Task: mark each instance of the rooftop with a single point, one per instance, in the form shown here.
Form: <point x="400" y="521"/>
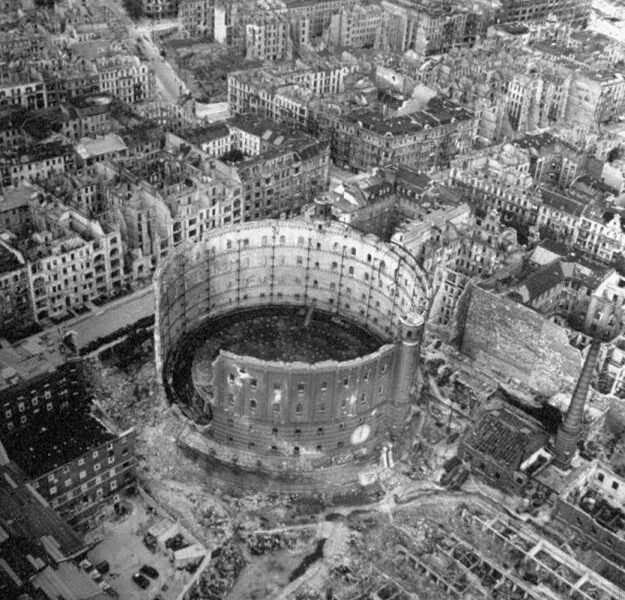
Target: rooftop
<point x="45" y="122"/>
<point x="544" y="279"/>
<point x="301" y="149"/>
<point x="28" y="527"/>
<point x="506" y="436"/>
<point x="203" y="135"/>
<point x="8" y="260"/>
<point x="11" y="117"/>
<point x="562" y="202"/>
<point x="102" y="101"/>
<point x="17" y="197"/>
<point x="407" y="176"/>
<point x="555" y="247"/>
<point x="67" y="581"/>
<point x="107" y="144"/>
<point x="29" y="358"/>
<point x="543" y="139"/>
<point x="266" y="129"/>
<point x="36" y="152"/>
<point x="437" y="112"/>
<point x="46" y="444"/>
<point x="513" y="28"/>
<point x="604" y="512"/>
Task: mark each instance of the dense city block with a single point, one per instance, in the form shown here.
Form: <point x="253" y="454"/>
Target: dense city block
<point x="312" y="299"/>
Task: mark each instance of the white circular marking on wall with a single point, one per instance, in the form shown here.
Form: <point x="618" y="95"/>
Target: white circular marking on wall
<point x="360" y="434"/>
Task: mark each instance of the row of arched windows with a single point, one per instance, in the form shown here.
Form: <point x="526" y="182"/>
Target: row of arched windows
<point x="301" y="241"/>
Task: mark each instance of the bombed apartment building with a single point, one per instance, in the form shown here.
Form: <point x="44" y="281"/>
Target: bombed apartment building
<point x="284" y="93"/>
<point x="280" y="169"/>
<point x="71" y="260"/>
<point x="161" y="203"/>
<point x="15" y="307"/>
<point x="504" y="446"/>
<point x="291" y="344"/>
<point x="575" y="12"/>
<point x="285" y="179"/>
<point x="423" y="140"/>
<point x="36" y="545"/>
<point x="591" y="505"/>
<point x="81" y="471"/>
<point x="35" y="161"/>
<point x="52" y="431"/>
<point x="15" y="215"/>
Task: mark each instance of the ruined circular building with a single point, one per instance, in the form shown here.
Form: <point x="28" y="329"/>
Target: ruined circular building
<point x="291" y="344"/>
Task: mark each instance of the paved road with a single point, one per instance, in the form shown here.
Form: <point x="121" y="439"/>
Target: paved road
<point x="111" y="317"/>
<point x="169" y="86"/>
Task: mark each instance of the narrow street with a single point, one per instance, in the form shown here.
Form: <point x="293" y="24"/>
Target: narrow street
<point x="169" y="86"/>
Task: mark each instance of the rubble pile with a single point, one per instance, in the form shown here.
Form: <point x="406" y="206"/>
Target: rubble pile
<point x="218" y="578"/>
<point x="261" y="543"/>
<point x="131" y="396"/>
<point x="418" y="465"/>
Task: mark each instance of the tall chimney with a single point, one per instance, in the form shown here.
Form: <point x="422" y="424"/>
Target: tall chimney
<point x="571" y="428"/>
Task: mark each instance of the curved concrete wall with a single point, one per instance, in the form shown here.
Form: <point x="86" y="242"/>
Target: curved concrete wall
<point x="296" y="408"/>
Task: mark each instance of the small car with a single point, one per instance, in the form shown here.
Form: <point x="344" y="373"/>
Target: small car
<point x="151" y="572"/>
<point x="86" y="565"/>
<point x="142" y="581"/>
<point x="103" y="567"/>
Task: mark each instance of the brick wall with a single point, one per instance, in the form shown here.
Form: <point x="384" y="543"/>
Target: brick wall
<point x="273" y="408"/>
<point x="515" y="342"/>
<point x="77" y="488"/>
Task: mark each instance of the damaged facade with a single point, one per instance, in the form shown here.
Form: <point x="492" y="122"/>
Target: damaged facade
<point x="79" y="466"/>
<point x="264" y="413"/>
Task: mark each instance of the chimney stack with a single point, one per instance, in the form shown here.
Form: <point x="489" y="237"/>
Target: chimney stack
<point x="571" y="428"/>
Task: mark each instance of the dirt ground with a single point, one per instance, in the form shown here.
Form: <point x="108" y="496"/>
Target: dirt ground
<point x="266" y="576"/>
<point x="132" y="398"/>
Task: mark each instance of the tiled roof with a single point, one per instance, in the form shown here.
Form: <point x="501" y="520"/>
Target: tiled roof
<point x="561" y="202"/>
<point x="544" y="279"/>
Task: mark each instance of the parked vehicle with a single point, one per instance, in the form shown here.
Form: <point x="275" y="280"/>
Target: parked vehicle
<point x="151" y="572"/>
<point x="103" y="567"/>
<point x="95" y="575"/>
<point x="142" y="581"/>
<point x="86" y="565"/>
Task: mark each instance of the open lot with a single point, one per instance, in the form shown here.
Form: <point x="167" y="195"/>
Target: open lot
<point x="266" y="576"/>
<point x="125" y="552"/>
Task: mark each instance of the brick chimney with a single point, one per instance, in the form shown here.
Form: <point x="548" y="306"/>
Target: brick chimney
<point x="571" y="428"/>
